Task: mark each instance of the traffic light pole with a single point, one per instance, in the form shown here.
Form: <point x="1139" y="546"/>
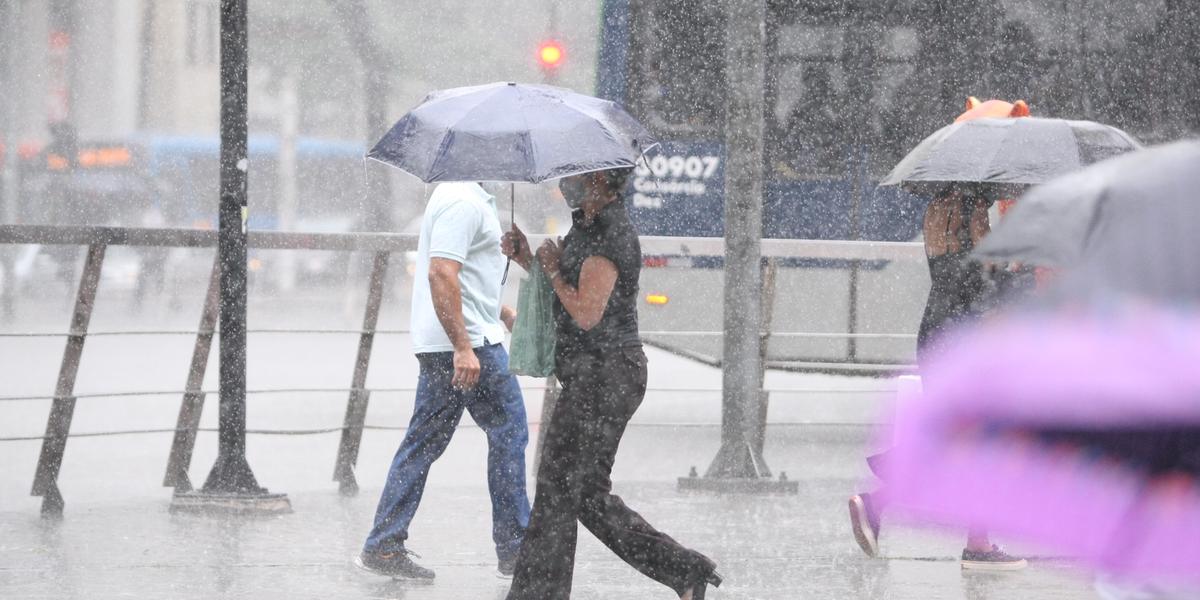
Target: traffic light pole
<point x="231" y="486"/>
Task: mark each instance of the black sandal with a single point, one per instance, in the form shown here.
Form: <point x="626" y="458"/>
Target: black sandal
<point x="702" y="580"/>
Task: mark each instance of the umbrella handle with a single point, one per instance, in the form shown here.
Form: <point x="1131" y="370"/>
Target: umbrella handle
<point x="512" y="221"/>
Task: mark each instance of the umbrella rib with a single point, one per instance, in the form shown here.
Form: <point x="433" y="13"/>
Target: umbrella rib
<point x="527" y="137"/>
<point x="1005" y="142"/>
<point x="447" y="137"/>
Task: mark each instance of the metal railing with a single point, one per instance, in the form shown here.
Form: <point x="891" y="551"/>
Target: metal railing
<point x="98" y="239"/>
<point x="381" y="245"/>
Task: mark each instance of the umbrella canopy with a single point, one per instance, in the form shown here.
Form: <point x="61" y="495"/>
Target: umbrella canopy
<point x="511" y="132"/>
<point x="1081" y="434"/>
<point x="1007" y="153"/>
<point x="1128" y="224"/>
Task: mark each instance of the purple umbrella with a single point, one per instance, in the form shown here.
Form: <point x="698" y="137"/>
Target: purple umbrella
<point x="1079" y="433"/>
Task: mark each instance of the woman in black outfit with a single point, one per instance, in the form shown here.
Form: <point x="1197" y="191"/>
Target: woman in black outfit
<point x="955" y="221"/>
<point x="602" y="369"/>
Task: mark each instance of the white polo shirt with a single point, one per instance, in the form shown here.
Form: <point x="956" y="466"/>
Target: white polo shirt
<point x="460" y="224"/>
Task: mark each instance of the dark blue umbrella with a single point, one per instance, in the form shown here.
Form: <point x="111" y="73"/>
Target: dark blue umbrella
<point x="511" y="132"/>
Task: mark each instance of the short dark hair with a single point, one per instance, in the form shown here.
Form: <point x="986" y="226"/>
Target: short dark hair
<point x="616" y="179"/>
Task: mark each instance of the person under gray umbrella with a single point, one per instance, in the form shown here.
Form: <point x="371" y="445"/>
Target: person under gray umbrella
<point x="496" y="132"/>
<point x="511" y="132"/>
<point x="955" y="221"/>
<point x="600" y="362"/>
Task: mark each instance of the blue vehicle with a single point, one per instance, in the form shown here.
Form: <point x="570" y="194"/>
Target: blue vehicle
<point x="328" y="179"/>
<point x="851" y="85"/>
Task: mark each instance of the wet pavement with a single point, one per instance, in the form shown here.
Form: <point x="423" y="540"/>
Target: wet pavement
<point x="118" y="540"/>
<point x="767" y="546"/>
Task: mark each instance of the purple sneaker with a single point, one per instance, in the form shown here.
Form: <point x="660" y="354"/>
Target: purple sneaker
<point x="864" y="520"/>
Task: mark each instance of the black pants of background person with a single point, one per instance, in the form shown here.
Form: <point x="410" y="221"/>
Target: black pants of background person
<point x="599" y="395"/>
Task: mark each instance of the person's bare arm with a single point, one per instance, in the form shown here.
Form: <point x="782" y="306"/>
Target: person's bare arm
<point x="508" y="315"/>
<point x="586" y="303"/>
<point x="942" y="220"/>
<point x="597" y="278"/>
<point x="980" y="222"/>
<point x="447" y="304"/>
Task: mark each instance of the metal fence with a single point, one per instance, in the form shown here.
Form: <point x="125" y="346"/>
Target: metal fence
<point x="381" y="246"/>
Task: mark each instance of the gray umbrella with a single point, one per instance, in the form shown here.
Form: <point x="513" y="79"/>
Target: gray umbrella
<point x="511" y="132"/>
<point x="1007" y="153"/>
<point x="1128" y="225"/>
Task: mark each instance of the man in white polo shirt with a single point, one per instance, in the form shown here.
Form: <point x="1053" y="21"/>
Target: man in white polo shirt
<point x="457" y="327"/>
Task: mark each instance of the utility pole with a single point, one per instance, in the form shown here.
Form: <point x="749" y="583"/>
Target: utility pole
<point x="739" y="465"/>
<point x="8" y="100"/>
<point x="231" y="486"/>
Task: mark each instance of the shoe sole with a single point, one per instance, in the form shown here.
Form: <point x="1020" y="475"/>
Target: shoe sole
<point x="500" y="575"/>
<point x="363" y="567"/>
<point x="358" y="562"/>
<point x="863" y="533"/>
<point x="976" y="565"/>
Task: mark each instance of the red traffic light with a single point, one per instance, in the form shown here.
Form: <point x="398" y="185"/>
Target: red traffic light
<point x="550" y="54"/>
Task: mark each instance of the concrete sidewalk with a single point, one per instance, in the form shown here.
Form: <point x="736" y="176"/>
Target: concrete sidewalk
<point x="768" y="547"/>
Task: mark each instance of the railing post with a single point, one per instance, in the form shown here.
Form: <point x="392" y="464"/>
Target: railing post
<point x="356" y="405"/>
<point x="193" y="399"/>
<point x="58" y="425"/>
<point x="770" y="273"/>
<point x="860" y="180"/>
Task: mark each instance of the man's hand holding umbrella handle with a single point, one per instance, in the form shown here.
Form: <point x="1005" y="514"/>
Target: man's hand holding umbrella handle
<point x="515" y="245"/>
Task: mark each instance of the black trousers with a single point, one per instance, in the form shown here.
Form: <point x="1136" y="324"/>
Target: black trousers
<point x="599" y="395"/>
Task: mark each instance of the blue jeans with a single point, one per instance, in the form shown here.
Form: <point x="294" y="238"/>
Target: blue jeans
<point x="498" y="408"/>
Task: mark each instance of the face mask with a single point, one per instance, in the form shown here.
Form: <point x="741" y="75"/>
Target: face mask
<point x="574" y="191"/>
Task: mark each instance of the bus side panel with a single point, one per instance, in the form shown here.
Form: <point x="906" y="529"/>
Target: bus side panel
<point x="890" y="214"/>
<point x="820" y="209"/>
<point x="680" y="190"/>
<point x="807" y="210"/>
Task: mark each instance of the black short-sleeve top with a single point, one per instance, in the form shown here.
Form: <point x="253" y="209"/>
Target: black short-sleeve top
<point x="610" y="235"/>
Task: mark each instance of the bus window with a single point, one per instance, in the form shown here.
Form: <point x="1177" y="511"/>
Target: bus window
<point x="678" y="66"/>
<point x="853" y="85"/>
<point x="830" y="82"/>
